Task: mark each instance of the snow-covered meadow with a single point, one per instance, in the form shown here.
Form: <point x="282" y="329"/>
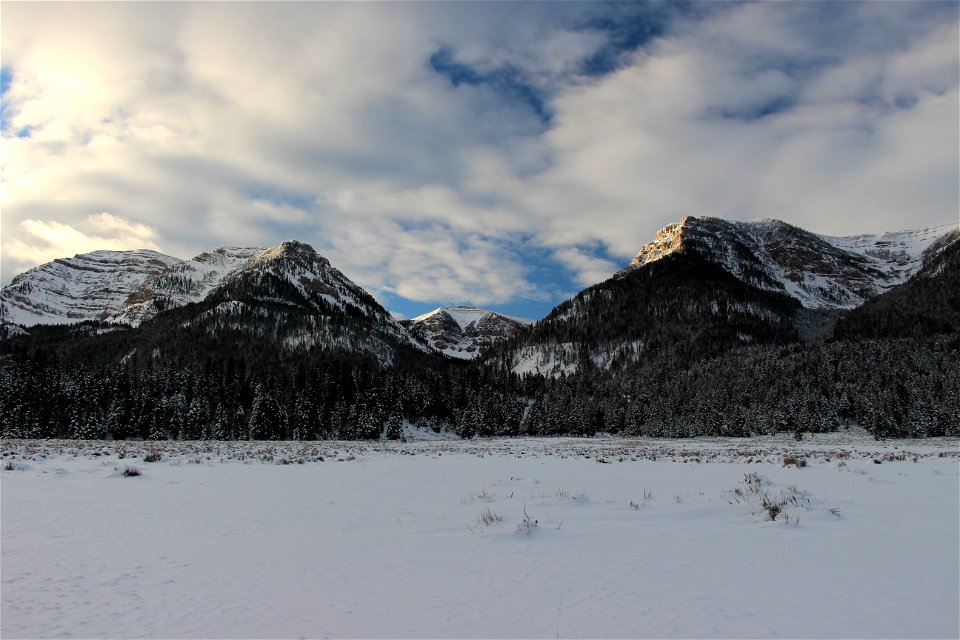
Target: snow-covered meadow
<point x="495" y="538"/>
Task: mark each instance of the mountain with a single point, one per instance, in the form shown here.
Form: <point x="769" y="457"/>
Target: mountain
<point x="299" y="301"/>
<point x="184" y="282"/>
<point x="464" y="332"/>
<point x="282" y="299"/>
<point x="705" y="285"/>
<point x="821" y="272"/>
<point x="115" y="286"/>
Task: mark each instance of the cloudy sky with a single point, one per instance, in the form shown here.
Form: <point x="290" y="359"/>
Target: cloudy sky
<point x="501" y="154"/>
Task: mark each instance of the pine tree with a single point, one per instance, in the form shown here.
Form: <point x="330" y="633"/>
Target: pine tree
<point x="266" y="416"/>
<point x="220" y="428"/>
<point x="156" y="424"/>
<point x="304" y="419"/>
<point x="195" y="422"/>
<point x="394" y="426"/>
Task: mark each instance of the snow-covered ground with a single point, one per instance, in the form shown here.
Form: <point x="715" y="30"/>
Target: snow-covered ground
<point x="632" y="538"/>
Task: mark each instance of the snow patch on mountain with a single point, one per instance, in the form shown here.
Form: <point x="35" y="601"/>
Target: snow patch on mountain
<point x="553" y="360"/>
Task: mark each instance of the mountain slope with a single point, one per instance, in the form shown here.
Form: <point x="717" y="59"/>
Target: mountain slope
<point x="115" y="286"/>
<point x="464" y="332"/>
<point x="681" y="304"/>
<point x="308" y="302"/>
<point x="90" y="286"/>
<point x="184" y="282"/>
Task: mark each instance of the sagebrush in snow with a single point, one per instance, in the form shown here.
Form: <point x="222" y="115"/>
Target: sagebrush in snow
<point x="794" y="461"/>
<point x="488" y="517"/>
<point x="528" y="524"/>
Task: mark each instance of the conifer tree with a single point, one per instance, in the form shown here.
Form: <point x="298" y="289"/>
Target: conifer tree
<point x="394" y="426"/>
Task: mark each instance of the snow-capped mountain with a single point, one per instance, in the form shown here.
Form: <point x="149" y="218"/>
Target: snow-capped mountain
<point x="705" y="284"/>
<point x="287" y="292"/>
<point x="463" y="331"/>
<point x="822" y="272"/>
<point x="184" y="282"/>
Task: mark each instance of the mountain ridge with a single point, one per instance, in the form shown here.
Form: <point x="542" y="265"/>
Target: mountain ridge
<point x="820" y="271"/>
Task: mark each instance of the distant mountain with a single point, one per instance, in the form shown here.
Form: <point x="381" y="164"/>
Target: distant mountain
<point x="705" y="284"/>
<point x="464" y="332"/>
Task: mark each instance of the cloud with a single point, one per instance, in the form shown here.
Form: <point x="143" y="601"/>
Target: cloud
<point x="43" y="241"/>
<point x="752" y="114"/>
<point x="588" y="269"/>
<point x="429" y="150"/>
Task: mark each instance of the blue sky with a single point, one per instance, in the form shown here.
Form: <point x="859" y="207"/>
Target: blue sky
<point x="499" y="154"/>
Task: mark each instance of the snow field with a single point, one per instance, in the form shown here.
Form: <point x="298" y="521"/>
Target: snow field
<point x="392" y="540"/>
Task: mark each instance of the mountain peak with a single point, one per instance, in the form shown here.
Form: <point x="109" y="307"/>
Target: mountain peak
<point x="289" y="249"/>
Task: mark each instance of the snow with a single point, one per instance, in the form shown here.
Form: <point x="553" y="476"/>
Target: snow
<point x="460" y="350"/>
<point x="387" y="540"/>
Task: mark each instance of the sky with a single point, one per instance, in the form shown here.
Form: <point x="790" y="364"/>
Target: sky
<point x="500" y="154"/>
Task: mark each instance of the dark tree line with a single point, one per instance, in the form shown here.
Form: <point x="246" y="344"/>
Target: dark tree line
<point x="893" y="388"/>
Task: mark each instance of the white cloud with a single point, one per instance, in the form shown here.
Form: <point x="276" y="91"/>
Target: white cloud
<point x="588" y="269"/>
<point x="678" y="131"/>
<point x="42" y="241"/>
